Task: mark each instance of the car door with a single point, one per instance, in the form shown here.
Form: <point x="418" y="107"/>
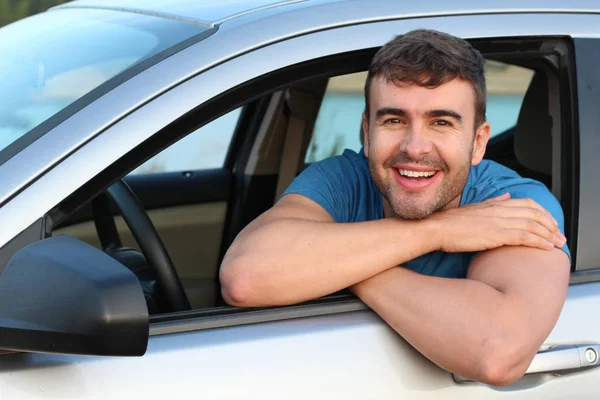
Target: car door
<point x="333" y="347"/>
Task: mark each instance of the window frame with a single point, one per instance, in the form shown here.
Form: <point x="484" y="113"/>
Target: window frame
<point x="256" y="88"/>
<point x="586" y="179"/>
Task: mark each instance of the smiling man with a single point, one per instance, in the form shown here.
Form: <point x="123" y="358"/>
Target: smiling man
<point x="461" y="256"/>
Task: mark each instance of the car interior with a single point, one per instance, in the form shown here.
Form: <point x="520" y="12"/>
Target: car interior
<point x="197" y="214"/>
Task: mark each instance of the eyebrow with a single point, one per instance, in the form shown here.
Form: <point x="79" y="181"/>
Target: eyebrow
<point x="444" y="113"/>
<point x="430" y="114"/>
<point x="390" y="111"/>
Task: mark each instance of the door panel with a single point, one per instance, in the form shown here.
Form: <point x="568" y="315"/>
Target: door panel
<point x="169" y="189"/>
<point x="353" y="355"/>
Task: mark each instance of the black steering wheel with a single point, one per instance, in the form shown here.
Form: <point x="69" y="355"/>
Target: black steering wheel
<point x="146" y="236"/>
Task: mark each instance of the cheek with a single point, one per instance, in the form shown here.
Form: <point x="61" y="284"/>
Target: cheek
<point x="383" y="146"/>
<point x="455" y="153"/>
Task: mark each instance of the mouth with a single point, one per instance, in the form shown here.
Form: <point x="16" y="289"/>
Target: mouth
<point x="415" y="180"/>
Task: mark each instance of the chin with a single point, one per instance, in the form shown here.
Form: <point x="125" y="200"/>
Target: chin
<point x="413" y="207"/>
<point x="410" y="213"/>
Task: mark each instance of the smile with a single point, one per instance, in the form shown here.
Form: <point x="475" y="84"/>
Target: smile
<point x="415" y="180"/>
<point x="416" y="174"/>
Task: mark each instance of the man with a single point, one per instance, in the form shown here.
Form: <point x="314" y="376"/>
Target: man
<point x="417" y="207"/>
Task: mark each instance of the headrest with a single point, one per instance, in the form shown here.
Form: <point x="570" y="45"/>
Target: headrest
<point x="533" y="133"/>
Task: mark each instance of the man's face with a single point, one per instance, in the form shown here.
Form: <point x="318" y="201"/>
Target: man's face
<point x="421" y="144"/>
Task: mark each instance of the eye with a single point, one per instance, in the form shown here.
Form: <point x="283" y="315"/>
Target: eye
<point x="442" y="122"/>
<point x="392" y="121"/>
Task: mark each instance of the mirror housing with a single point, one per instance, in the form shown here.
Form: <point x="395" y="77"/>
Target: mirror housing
<point x="61" y="295"/>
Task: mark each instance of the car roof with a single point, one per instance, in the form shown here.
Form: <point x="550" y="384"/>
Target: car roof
<point x="211" y="12"/>
<point x="205" y="12"/>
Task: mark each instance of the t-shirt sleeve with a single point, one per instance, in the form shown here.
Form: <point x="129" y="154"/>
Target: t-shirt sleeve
<point x="527" y="188"/>
<point x="326" y="183"/>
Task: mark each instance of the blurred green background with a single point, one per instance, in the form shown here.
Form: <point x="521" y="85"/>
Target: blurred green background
<point x="12" y="10"/>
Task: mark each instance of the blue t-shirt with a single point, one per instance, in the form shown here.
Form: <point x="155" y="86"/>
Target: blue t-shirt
<point x="342" y="185"/>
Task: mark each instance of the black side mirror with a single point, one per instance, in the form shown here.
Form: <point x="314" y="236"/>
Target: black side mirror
<point x="61" y="295"/>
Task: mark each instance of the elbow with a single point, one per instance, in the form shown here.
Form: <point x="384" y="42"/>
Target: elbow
<point x="499" y="373"/>
<point x="237" y="287"/>
<point x="502" y="365"/>
<point x="233" y="293"/>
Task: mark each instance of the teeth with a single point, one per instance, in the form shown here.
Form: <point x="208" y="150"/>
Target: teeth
<point x="416" y="174"/>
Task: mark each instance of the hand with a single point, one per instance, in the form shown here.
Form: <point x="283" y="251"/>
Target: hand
<point x="494" y="223"/>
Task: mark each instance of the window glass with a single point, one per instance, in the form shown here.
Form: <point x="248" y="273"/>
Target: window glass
<point x="506" y="87"/>
<point x="338" y="124"/>
<point x="205" y="148"/>
<point x="57" y="57"/>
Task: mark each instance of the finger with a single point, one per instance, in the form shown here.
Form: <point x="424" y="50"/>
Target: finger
<point x="515" y="208"/>
<point x="530" y="226"/>
<point x="517" y="237"/>
<point x="529" y="203"/>
<point x="541" y="217"/>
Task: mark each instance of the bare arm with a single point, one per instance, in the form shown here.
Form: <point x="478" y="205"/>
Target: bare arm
<point x="487" y="327"/>
<point x="295" y="252"/>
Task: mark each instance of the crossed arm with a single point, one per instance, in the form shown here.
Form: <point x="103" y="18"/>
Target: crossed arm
<point x="487" y="327"/>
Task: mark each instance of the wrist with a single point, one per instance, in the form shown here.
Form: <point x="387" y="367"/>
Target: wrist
<point x="418" y="237"/>
<point x="430" y="229"/>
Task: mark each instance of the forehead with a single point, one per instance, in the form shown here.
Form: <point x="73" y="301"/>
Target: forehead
<point x="457" y="95"/>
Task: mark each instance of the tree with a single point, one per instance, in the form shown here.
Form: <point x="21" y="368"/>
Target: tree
<point x="13" y="10"/>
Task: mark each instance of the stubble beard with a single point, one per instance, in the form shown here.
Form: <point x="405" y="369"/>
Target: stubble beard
<point x="411" y="206"/>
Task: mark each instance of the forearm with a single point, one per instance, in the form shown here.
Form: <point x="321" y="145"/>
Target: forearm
<point x="292" y="260"/>
<point x="464" y="326"/>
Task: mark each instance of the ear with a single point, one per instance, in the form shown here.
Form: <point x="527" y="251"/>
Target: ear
<point x="365" y="133"/>
<point x="482" y="136"/>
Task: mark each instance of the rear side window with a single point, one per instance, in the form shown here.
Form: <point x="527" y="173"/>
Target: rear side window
<point x="506" y="86"/>
<point x="206" y="148"/>
<point x="338" y="124"/>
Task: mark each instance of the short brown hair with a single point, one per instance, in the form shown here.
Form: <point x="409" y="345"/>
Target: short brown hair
<point x="430" y="58"/>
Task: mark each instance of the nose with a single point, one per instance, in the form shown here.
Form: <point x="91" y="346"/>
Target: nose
<point x="415" y="142"/>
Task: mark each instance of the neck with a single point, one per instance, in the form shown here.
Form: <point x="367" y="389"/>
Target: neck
<point x="388" y="211"/>
<point x="453" y="204"/>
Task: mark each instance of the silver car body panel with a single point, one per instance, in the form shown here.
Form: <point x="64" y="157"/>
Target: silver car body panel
<point x="209" y="12"/>
<point x="73" y="168"/>
<point x="205" y="13"/>
<point x="352" y="355"/>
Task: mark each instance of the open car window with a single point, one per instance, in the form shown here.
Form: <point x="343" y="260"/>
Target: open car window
<point x="249" y="188"/>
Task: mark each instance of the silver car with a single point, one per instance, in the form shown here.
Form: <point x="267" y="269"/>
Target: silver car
<point x="139" y="137"/>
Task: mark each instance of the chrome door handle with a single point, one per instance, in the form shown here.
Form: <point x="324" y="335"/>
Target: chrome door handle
<point x="559" y="360"/>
